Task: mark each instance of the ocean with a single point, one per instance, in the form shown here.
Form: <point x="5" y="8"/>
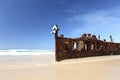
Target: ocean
<point x="30" y="57"/>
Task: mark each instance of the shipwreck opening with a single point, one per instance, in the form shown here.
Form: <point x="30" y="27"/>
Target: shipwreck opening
<point x="85" y="46"/>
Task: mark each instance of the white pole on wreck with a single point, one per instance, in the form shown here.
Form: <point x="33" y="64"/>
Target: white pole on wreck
<point x="55" y="30"/>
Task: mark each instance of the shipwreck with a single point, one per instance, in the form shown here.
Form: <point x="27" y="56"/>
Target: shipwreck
<point x="85" y="46"/>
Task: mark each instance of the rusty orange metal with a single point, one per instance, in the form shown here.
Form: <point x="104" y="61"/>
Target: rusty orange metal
<point x="85" y="46"/>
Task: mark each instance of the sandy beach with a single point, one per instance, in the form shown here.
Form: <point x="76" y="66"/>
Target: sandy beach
<point x="91" y="68"/>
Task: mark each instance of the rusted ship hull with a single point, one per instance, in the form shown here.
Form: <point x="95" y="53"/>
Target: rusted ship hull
<point x="68" y="48"/>
<point x="85" y="46"/>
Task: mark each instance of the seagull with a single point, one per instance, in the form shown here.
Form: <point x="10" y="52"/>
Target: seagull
<point x="55" y="27"/>
<point x="53" y="32"/>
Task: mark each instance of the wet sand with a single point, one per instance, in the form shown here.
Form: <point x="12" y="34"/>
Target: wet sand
<point x="92" y="68"/>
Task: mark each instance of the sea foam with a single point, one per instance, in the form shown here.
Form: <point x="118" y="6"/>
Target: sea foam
<point x="26" y="52"/>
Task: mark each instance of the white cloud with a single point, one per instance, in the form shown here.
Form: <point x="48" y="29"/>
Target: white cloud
<point x="103" y="22"/>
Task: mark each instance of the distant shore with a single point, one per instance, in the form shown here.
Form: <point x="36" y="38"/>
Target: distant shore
<point x="89" y="68"/>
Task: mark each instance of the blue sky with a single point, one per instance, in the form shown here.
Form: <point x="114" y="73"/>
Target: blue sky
<point x="26" y="24"/>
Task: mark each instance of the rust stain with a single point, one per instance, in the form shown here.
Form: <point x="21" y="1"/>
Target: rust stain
<point x="85" y="46"/>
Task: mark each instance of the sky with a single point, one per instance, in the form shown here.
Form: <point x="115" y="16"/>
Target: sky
<point x="26" y="24"/>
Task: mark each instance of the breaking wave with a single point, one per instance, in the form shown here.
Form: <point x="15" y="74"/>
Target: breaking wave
<point x="26" y="52"/>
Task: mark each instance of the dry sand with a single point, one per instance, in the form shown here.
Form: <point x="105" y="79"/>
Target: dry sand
<point x="93" y="68"/>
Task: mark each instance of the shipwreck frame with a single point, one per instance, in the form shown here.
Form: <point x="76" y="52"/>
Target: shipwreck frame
<point x="85" y="46"/>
